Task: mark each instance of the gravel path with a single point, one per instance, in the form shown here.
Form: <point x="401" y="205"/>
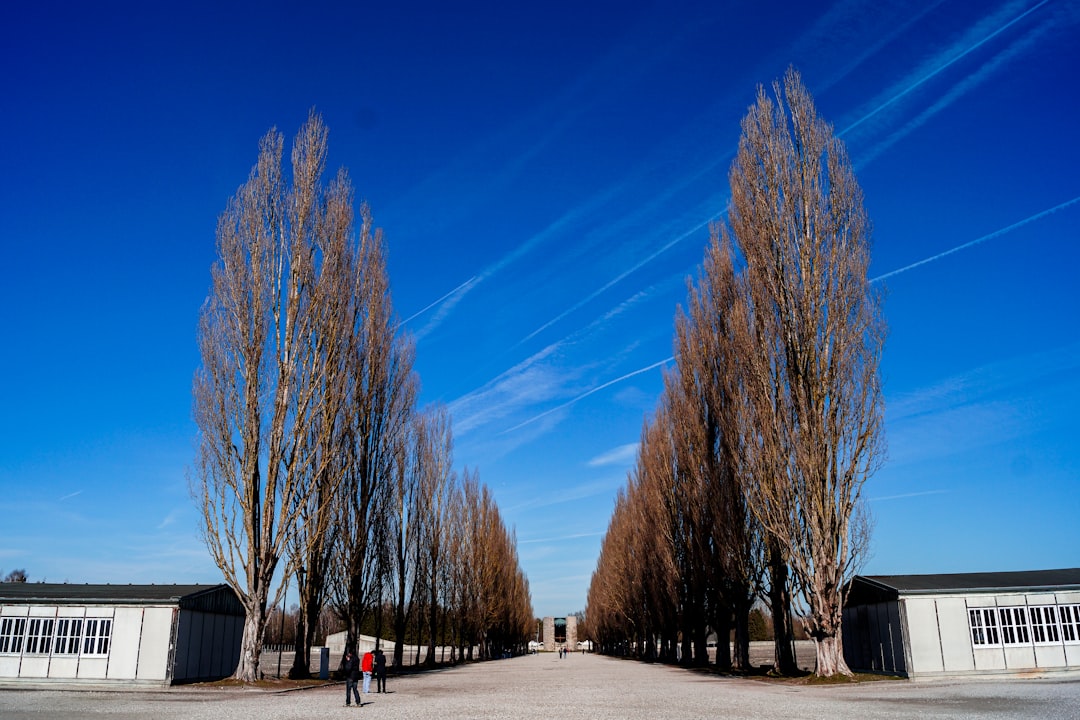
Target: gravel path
<point x="576" y="688"/>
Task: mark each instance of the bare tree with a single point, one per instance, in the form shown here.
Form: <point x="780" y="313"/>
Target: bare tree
<point x="15" y="576"/>
<point x="403" y="524"/>
<point x="256" y="388"/>
<point x="436" y="476"/>
<point x="337" y="308"/>
<point x="381" y="391"/>
<point x="812" y="349"/>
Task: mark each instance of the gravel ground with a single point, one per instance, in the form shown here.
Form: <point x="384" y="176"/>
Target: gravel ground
<point x="577" y="688"/>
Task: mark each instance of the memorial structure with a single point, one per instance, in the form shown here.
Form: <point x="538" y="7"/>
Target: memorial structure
<point x="560" y="633"/>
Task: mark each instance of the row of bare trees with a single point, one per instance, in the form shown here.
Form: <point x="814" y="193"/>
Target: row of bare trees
<point x="314" y="461"/>
<point x="748" y="480"/>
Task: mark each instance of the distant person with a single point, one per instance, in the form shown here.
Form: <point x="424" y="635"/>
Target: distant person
<point x="350" y="668"/>
<point x="380" y="671"/>
<point x="367" y="664"/>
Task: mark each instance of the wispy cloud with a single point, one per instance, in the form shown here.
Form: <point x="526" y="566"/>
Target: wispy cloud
<point x="458" y="291"/>
<point x="605" y="486"/>
<point x="170" y="518"/>
<point x="1014" y="48"/>
<point x="976" y="241"/>
<point x="988" y="406"/>
<point x="982" y="33"/>
<point x="907" y="495"/>
<point x="838" y="35"/>
<point x="586" y="394"/>
<point x="71" y="495"/>
<point x="560" y="538"/>
<point x="531" y="381"/>
<point x="695" y="230"/>
<point x="622" y="455"/>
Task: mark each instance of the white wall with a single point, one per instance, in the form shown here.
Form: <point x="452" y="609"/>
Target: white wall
<point x="139" y="645"/>
<point x="940" y="636"/>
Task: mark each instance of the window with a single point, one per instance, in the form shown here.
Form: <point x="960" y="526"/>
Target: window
<point x="96" y="637"/>
<point x="1014" y="627"/>
<point x="68" y="631"/>
<point x="983" y="626"/>
<point x="11" y="634"/>
<point x="39" y="636"/>
<point x="1044" y="627"/>
<point x="1070" y="622"/>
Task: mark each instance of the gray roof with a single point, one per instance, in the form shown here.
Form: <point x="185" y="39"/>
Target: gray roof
<point x="70" y="593"/>
<point x="874" y="588"/>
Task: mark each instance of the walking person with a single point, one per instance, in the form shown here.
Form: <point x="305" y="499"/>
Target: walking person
<point x="367" y="665"/>
<point x="380" y="671"/>
<point x="350" y="667"/>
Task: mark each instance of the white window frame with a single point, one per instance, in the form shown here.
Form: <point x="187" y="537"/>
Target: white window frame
<point x="1013" y="621"/>
<point x="97" y="634"/>
<point x="1044" y="625"/>
<point x="1069" y="619"/>
<point x="68" y="636"/>
<point x="39" y="635"/>
<point x="983" y="623"/>
<point x="12" y="635"/>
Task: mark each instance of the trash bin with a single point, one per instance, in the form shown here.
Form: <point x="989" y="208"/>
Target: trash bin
<point x="324" y="663"/>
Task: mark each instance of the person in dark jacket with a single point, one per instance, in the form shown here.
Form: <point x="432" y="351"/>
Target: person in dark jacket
<point x="350" y="666"/>
<point x="380" y="671"/>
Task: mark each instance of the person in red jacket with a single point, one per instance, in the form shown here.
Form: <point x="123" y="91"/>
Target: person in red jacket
<point x="367" y="664"/>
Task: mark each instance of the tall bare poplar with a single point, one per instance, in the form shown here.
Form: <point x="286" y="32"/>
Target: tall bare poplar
<point x="815" y="333"/>
<point x="256" y="388"/>
<point x="433" y="458"/>
<point x="381" y="400"/>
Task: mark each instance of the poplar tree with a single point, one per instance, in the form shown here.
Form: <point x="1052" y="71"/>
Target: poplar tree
<point x="812" y="349"/>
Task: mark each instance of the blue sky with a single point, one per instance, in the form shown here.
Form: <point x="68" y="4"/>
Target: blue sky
<point x="545" y="174"/>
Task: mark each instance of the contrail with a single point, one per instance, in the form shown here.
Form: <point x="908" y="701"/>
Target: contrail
<point x="618" y="279"/>
<point x="907" y="495"/>
<point x="586" y="394"/>
<point x="460" y="287"/>
<point x="942" y="67"/>
<point x="561" y="537"/>
<point x="984" y="238"/>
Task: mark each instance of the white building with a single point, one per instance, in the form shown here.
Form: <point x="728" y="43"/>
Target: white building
<point x="141" y="634"/>
<point x="962" y="624"/>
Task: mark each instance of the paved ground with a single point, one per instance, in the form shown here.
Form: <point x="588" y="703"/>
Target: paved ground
<point x="576" y="688"/>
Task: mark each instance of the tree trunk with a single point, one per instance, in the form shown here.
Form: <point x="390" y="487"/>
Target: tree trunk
<point x="433" y="619"/>
<point x="400" y="620"/>
<point x="830" y="656"/>
<point x="741" y="661"/>
<point x="723" y="641"/>
<point x="247" y="670"/>
<point x="784" y="661"/>
<point x="301" y="667"/>
<point x="701" y="646"/>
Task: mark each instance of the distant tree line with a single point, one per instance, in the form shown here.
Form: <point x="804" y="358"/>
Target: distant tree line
<point x="314" y="461"/>
<point x="748" y="477"/>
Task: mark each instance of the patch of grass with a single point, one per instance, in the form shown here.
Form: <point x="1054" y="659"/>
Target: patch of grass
<point x="269" y="684"/>
<point x="839" y="679"/>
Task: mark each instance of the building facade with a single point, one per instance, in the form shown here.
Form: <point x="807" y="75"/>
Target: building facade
<point x="141" y="634"/>
<point x="964" y="624"/>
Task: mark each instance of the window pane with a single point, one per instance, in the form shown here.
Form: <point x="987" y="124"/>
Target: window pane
<point x="975" y="620"/>
<point x="991" y="626"/>
<point x="17" y="635"/>
<point x="88" y="639"/>
<point x="68" y="631"/>
<point x="103" y="637"/>
<point x="1068" y="622"/>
